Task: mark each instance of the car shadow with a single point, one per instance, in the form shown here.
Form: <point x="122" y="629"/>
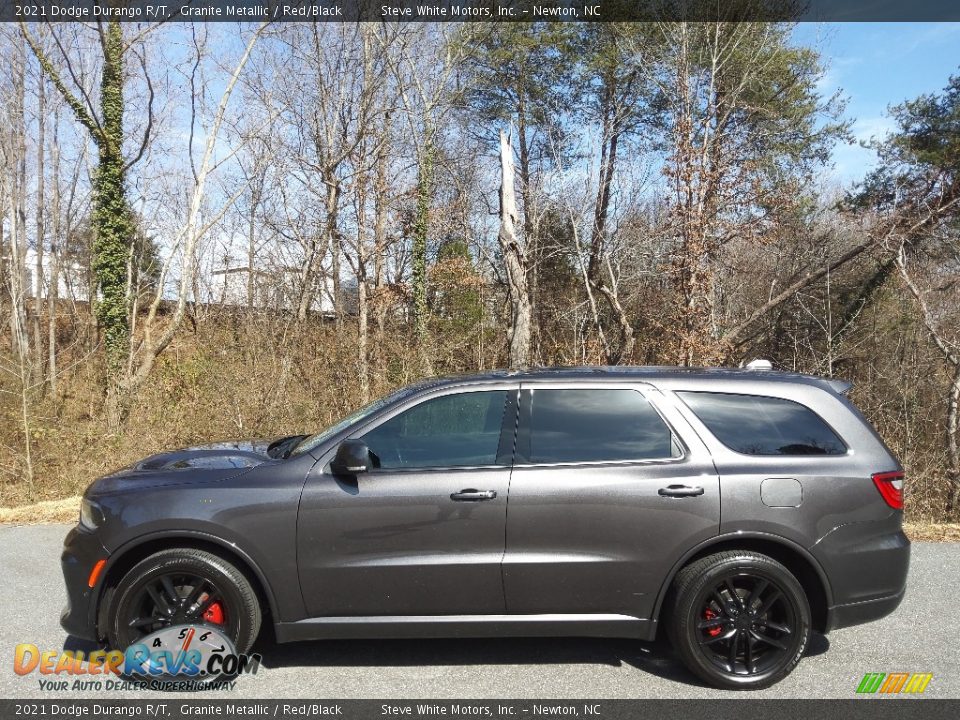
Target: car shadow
<point x="656" y="658"/>
<point x="74" y="644"/>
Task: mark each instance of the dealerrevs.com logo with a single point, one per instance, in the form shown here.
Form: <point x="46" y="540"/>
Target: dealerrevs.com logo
<point x="179" y="658"/>
<point x="899" y="683"/>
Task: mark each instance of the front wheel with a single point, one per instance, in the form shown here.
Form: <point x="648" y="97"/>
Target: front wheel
<point x="183" y="586"/>
<point x="741" y="620"/>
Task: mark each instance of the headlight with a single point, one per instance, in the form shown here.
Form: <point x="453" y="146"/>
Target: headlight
<point x="90" y="514"/>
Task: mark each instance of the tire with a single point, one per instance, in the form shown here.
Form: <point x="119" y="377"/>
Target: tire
<point x="239" y="612"/>
<point x="745" y="639"/>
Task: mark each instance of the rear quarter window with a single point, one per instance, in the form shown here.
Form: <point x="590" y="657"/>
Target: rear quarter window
<point x="757" y="425"/>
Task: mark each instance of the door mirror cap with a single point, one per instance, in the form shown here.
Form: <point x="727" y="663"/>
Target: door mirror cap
<point x="353" y="456"/>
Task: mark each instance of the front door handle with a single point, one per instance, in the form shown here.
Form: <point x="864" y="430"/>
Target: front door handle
<point x="680" y="491"/>
<point x="471" y="495"/>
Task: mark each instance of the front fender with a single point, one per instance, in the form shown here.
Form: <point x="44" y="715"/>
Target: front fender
<point x="135" y="550"/>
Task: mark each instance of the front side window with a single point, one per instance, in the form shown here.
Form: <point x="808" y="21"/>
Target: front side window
<point x="570" y="426"/>
<point x="459" y="430"/>
<point x="755" y="425"/>
<point x="313" y="441"/>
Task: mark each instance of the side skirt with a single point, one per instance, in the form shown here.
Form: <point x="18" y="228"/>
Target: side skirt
<point x="457" y="626"/>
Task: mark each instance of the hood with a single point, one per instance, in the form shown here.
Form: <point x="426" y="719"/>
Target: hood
<point x="238" y="455"/>
<point x="201" y="463"/>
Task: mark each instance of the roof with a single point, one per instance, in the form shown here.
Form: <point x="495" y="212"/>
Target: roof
<point x="642" y="372"/>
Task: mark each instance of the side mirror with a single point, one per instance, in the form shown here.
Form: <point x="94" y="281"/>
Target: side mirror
<point x="353" y="456"/>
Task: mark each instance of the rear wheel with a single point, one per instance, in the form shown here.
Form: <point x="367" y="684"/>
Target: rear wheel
<point x="741" y="620"/>
<point x="183" y="586"/>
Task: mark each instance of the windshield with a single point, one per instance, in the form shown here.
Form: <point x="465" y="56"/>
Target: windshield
<point x="312" y="441"/>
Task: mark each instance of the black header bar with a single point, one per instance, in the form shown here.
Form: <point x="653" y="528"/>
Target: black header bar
<point x="151" y="11"/>
<point x="190" y="707"/>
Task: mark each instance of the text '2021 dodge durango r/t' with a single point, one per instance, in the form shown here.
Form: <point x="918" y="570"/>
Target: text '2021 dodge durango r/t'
<point x="739" y="509"/>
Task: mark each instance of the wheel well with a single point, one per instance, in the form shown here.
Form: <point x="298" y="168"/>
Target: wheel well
<point x="135" y="554"/>
<point x="796" y="563"/>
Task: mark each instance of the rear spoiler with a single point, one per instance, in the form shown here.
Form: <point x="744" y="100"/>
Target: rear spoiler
<point x="841" y="387"/>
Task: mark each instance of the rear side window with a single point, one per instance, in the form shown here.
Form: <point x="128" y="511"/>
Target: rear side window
<point x="568" y="426"/>
<point x="755" y="425"/>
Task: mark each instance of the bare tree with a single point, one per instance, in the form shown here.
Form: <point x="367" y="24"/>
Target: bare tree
<point x="949" y="350"/>
<point x="15" y="162"/>
<point x="426" y="99"/>
<point x="514" y="260"/>
<point x="155" y="339"/>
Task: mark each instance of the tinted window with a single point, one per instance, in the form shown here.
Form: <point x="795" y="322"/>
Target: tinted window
<point x="448" y="431"/>
<point x="312" y="441"/>
<point x="594" y="426"/>
<point x="764" y="426"/>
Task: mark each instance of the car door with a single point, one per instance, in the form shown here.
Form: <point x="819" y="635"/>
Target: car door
<point x="609" y="488"/>
<point x="422" y="533"/>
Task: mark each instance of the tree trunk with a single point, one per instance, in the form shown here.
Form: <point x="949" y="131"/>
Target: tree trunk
<point x="953" y="398"/>
<point x="514" y="260"/>
<point x="252" y="248"/>
<point x="608" y="164"/>
<point x="308" y="275"/>
<point x="41" y="234"/>
<point x="612" y="128"/>
<point x="18" y="234"/>
<point x="333" y="243"/>
<point x="112" y="222"/>
<point x="53" y="293"/>
<point x="419" y="255"/>
<point x="627" y="337"/>
<point x="363" y="363"/>
<point x="363" y="257"/>
<point x="953" y="453"/>
<point x="530" y="236"/>
<point x="380" y="191"/>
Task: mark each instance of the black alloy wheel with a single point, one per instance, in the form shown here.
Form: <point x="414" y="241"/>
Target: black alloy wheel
<point x="178" y="599"/>
<point x="741" y="620"/>
<point x="746" y="623"/>
<point x="183" y="586"/>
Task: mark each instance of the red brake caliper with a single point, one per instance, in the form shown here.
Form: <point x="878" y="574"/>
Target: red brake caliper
<point x="709" y="614"/>
<point x="214" y="614"/>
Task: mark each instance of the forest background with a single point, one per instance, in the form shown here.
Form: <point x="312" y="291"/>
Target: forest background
<point x="222" y="231"/>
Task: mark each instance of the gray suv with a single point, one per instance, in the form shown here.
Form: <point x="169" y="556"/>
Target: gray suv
<point x="739" y="509"/>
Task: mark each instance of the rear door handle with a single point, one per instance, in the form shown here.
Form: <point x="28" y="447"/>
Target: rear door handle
<point x="680" y="491"/>
<point x="471" y="495"/>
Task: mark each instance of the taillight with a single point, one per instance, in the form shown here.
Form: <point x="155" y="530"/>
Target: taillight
<point x="890" y="485"/>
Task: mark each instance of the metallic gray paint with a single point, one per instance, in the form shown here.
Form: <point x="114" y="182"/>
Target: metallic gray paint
<point x="597" y="537"/>
<point x="585" y="548"/>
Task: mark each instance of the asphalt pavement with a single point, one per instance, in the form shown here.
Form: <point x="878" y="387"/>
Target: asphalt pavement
<point x="922" y="636"/>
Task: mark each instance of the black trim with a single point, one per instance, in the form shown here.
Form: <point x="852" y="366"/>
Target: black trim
<point x="465" y="626"/>
<point x="522" y="454"/>
<point x="841" y="616"/>
<point x="508" y="430"/>
<point x="81" y="550"/>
